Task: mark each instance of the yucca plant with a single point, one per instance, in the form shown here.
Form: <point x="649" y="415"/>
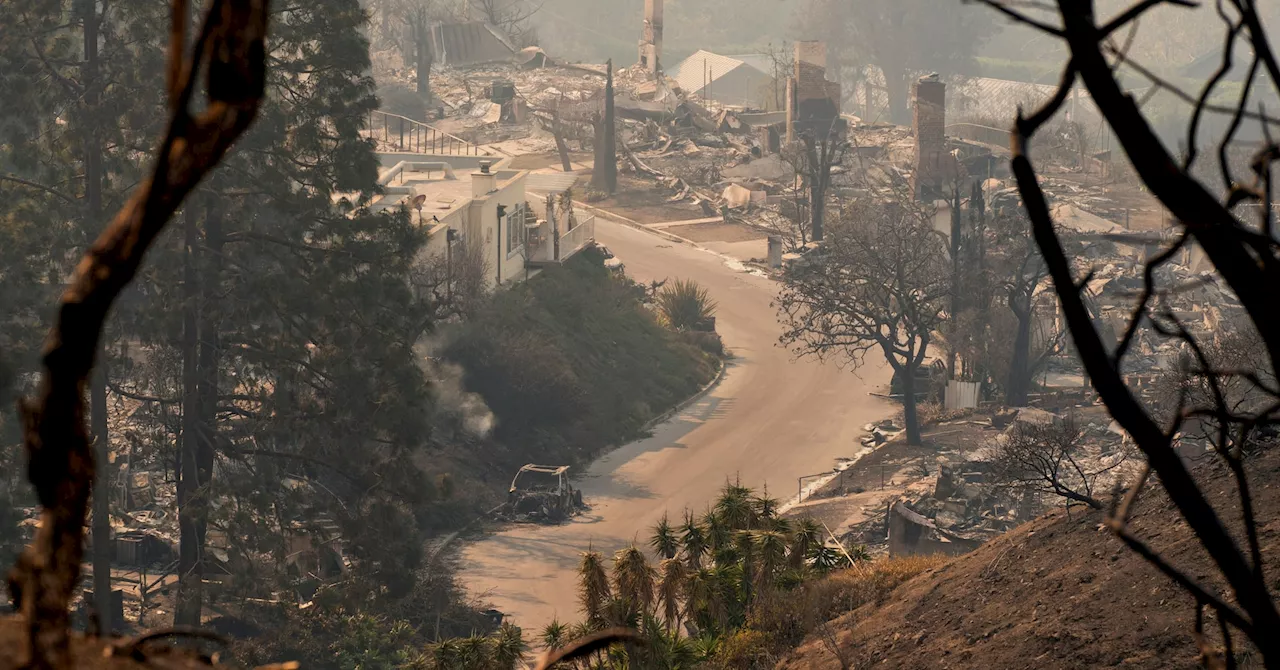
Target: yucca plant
<point x="685" y="305"/>
<point x="582" y="629"/>
<point x="826" y="559"/>
<point x="446" y="653"/>
<point x="621" y="612"/>
<point x="700" y="594"/>
<point x="593" y="585"/>
<point x="765" y="508"/>
<point x="633" y="577"/>
<point x="771" y="554"/>
<point x="508" y="647"/>
<point x="805" y="538"/>
<point x="733" y="507"/>
<point x="672" y="586"/>
<point x="554" y="635"/>
<point x="664" y="540"/>
<point x="475" y="653"/>
<point x="693" y="540"/>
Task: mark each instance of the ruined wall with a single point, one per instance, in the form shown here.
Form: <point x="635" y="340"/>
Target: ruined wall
<point x="911" y="534"/>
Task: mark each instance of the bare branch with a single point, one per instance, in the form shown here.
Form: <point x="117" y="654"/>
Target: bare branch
<point x="1003" y="8"/>
<point x="1136" y="11"/>
<point x="40" y="187"/>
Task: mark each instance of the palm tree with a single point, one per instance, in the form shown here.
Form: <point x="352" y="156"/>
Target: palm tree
<point x="664" y="540"/>
<point x="672" y="585"/>
<point x="593" y="585"/>
<point x="554" y="634"/>
<point x="693" y="538"/>
<point x="633" y="577"/>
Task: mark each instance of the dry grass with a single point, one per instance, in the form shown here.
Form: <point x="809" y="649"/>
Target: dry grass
<point x="1059" y="589"/>
<point x="780" y="621"/>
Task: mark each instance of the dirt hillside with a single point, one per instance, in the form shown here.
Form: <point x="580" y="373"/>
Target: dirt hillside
<point x="1059" y="592"/>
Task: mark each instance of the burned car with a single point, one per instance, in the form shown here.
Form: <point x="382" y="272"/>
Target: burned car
<point x="541" y="494"/>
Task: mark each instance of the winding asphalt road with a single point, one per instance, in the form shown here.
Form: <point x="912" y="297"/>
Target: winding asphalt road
<point x="771" y="420"/>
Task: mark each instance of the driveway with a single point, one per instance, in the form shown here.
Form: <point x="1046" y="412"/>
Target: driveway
<point x="771" y="420"/>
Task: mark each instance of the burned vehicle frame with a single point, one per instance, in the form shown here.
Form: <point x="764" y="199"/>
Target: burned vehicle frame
<point x="541" y="494"/>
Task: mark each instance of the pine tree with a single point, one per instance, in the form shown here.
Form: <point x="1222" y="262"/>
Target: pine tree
<point x="306" y="379"/>
<point x="79" y="100"/>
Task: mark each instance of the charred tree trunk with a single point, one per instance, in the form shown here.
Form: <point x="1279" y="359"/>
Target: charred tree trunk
<point x="817" y="209"/>
<point x="557" y="131"/>
<point x="957" y="235"/>
<point x="1019" y="383"/>
<point x="103" y="551"/>
<point x="207" y="365"/>
<point x="818" y="156"/>
<point x="909" y="414"/>
<point x="190" y="570"/>
<point x="604" y="174"/>
<point x="978" y="214"/>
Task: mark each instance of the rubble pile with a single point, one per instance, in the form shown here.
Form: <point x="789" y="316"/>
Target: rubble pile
<point x="964" y="497"/>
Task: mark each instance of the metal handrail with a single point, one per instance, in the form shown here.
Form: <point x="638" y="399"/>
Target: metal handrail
<point x="418" y="137"/>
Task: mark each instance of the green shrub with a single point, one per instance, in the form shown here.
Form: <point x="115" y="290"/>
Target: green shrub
<point x="708" y="342"/>
<point x="570" y="361"/>
<point x="684" y="305"/>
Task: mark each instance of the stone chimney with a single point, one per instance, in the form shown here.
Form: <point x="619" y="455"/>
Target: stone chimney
<point x="813" y="103"/>
<point x="811" y="70"/>
<point x="485" y="181"/>
<point x="651" y="36"/>
<point x="932" y="163"/>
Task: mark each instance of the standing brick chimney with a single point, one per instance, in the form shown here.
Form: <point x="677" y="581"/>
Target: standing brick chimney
<point x="813" y="103"/>
<point x="929" y="128"/>
<point x="651" y="37"/>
